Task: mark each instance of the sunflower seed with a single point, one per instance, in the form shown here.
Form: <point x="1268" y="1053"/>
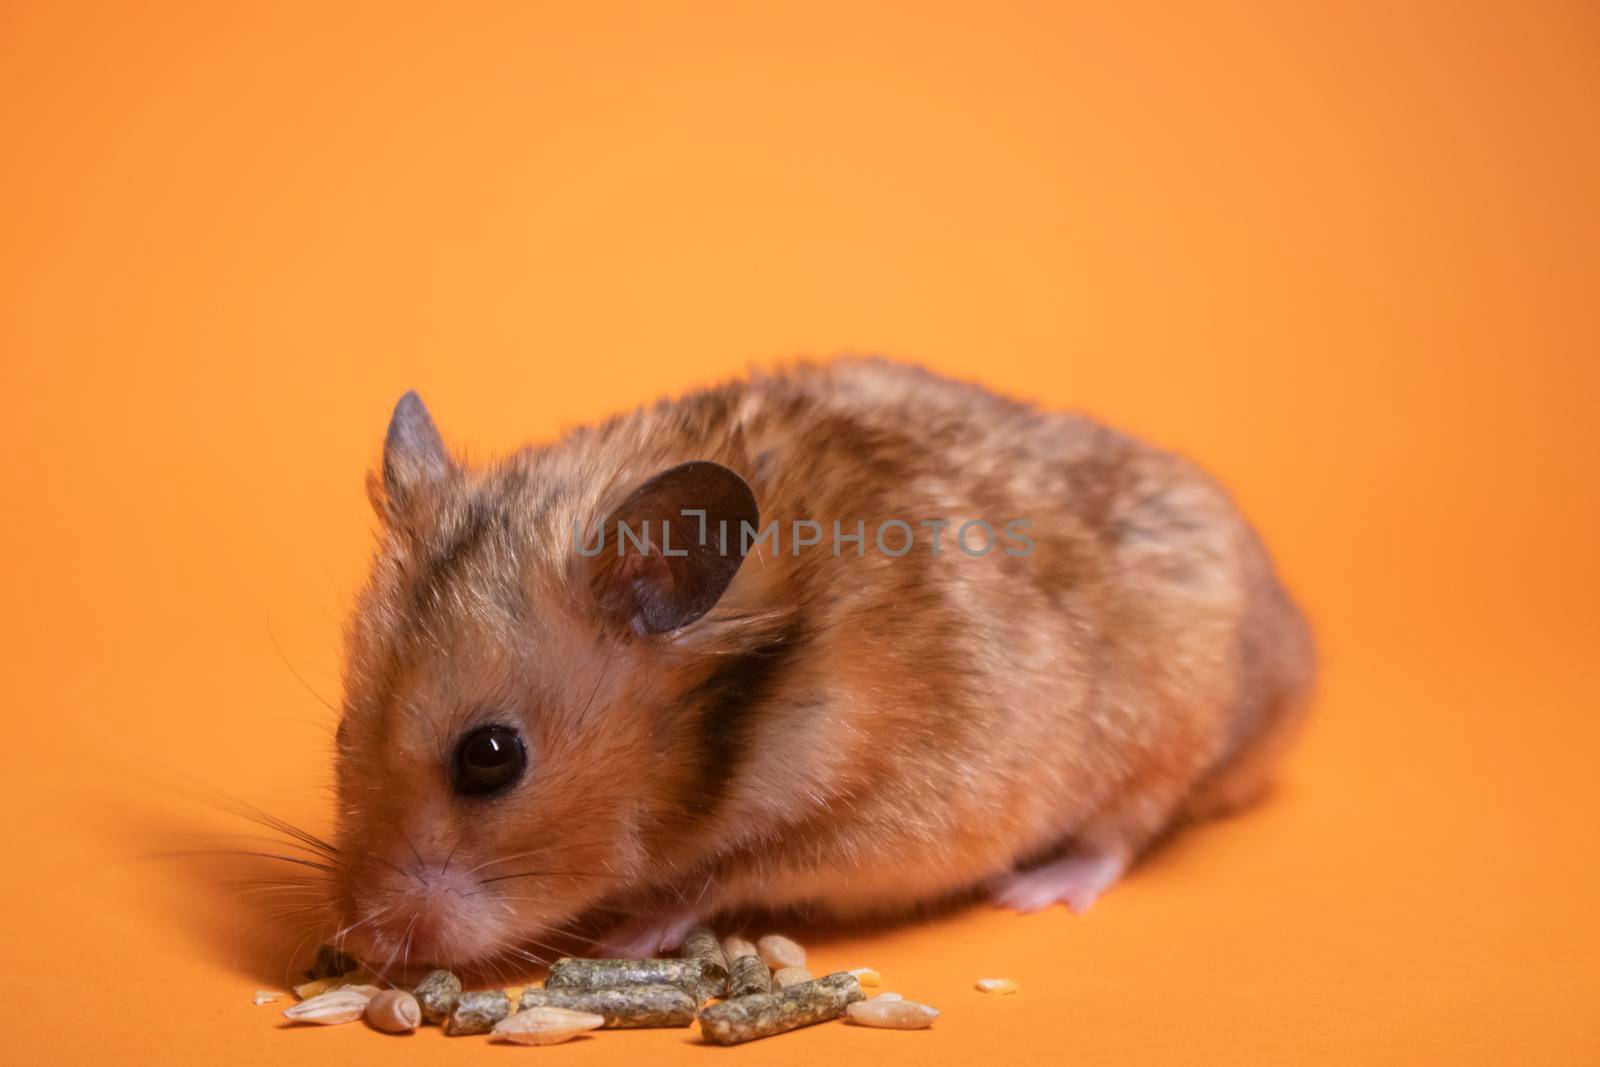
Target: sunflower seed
<point x="394" y="1011"/>
<point x="1001" y="986"/>
<point x="315" y="987"/>
<point x="892" y="1014"/>
<point x="734" y="947"/>
<point x="780" y="952"/>
<point x="544" y="1026"/>
<point x="333" y="1007"/>
<point x="784" y="977"/>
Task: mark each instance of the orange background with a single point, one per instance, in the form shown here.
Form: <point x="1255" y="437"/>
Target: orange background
<point x="1345" y="255"/>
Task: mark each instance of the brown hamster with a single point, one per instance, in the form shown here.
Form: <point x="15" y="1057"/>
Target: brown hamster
<point x="680" y="724"/>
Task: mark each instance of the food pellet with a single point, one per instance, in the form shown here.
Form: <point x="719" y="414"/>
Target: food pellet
<point x="780" y="952"/>
<point x="544" y="1026"/>
<point x="333" y="1007"/>
<point x="476" y="1013"/>
<point x="394" y="1011"/>
<point x="767" y="987"/>
<point x="765" y="1014"/>
<point x="569" y="973"/>
<point x="622" y="1007"/>
<point x="784" y="977"/>
<point x="330" y="963"/>
<point x="1001" y="986"/>
<point x="748" y="975"/>
<point x="436" y="994"/>
<point x="701" y="944"/>
<point x="734" y="947"/>
<point x="892" y="1014"/>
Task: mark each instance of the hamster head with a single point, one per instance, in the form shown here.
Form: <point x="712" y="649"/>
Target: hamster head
<point x="518" y="740"/>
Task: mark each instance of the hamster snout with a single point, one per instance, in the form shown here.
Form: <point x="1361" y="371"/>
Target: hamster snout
<point x="570" y="694"/>
<point x="419" y="909"/>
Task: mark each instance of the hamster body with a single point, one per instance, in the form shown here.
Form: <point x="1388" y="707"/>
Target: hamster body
<point x="546" y="714"/>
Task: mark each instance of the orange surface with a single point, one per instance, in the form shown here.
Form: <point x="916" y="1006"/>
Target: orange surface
<point x="1345" y="256"/>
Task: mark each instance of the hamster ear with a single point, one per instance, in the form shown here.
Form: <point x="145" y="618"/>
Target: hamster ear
<point x="676" y="578"/>
<point x="414" y="457"/>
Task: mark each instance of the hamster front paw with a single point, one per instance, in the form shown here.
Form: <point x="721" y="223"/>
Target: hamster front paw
<point x="645" y="938"/>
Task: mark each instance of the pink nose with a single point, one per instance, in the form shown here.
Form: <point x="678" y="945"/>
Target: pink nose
<point x="411" y="915"/>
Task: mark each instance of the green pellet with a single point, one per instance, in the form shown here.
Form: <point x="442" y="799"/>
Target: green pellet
<point x="742" y="1019"/>
<point x="436" y="994"/>
<point x="569" y="973"/>
<point x="747" y="976"/>
<point x="701" y="944"/>
<point x="476" y="1013"/>
<point x="622" y="1007"/>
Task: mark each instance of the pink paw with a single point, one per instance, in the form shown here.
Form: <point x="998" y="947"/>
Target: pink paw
<point x="642" y="939"/>
<point x="1076" y="880"/>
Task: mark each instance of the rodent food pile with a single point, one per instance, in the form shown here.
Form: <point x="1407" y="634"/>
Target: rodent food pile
<point x="738" y="991"/>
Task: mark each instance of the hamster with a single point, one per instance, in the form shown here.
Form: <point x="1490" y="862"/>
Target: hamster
<point x="638" y="670"/>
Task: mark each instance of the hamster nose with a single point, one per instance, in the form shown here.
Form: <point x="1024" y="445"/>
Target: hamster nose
<point x="414" y="913"/>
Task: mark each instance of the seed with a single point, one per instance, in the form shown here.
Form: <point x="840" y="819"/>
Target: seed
<point x="331" y="963"/>
<point x="892" y="1014"/>
<point x="701" y="944"/>
<point x="867" y="976"/>
<point x="436" y="994"/>
<point x="748" y="975"/>
<point x="1001" y="986"/>
<point x="764" y="1014"/>
<point x="569" y="973"/>
<point x="318" y="986"/>
<point x="394" y="1011"/>
<point x="622" y="1007"/>
<point x="780" y="952"/>
<point x="476" y="1013"/>
<point x="315" y="987"/>
<point x="544" y="1026"/>
<point x="333" y="1007"/>
<point x="734" y="947"/>
<point x="888" y="996"/>
<point x="266" y="996"/>
<point x="784" y="977"/>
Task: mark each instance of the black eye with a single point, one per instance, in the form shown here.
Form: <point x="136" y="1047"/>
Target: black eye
<point x="489" y="759"/>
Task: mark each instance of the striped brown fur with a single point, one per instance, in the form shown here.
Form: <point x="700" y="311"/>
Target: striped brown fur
<point x="852" y="733"/>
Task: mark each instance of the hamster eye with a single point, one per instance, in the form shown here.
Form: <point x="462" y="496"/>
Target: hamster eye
<point x="489" y="759"/>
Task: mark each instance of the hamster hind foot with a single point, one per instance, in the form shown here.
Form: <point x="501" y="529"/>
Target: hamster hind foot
<point x="1076" y="880"/>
